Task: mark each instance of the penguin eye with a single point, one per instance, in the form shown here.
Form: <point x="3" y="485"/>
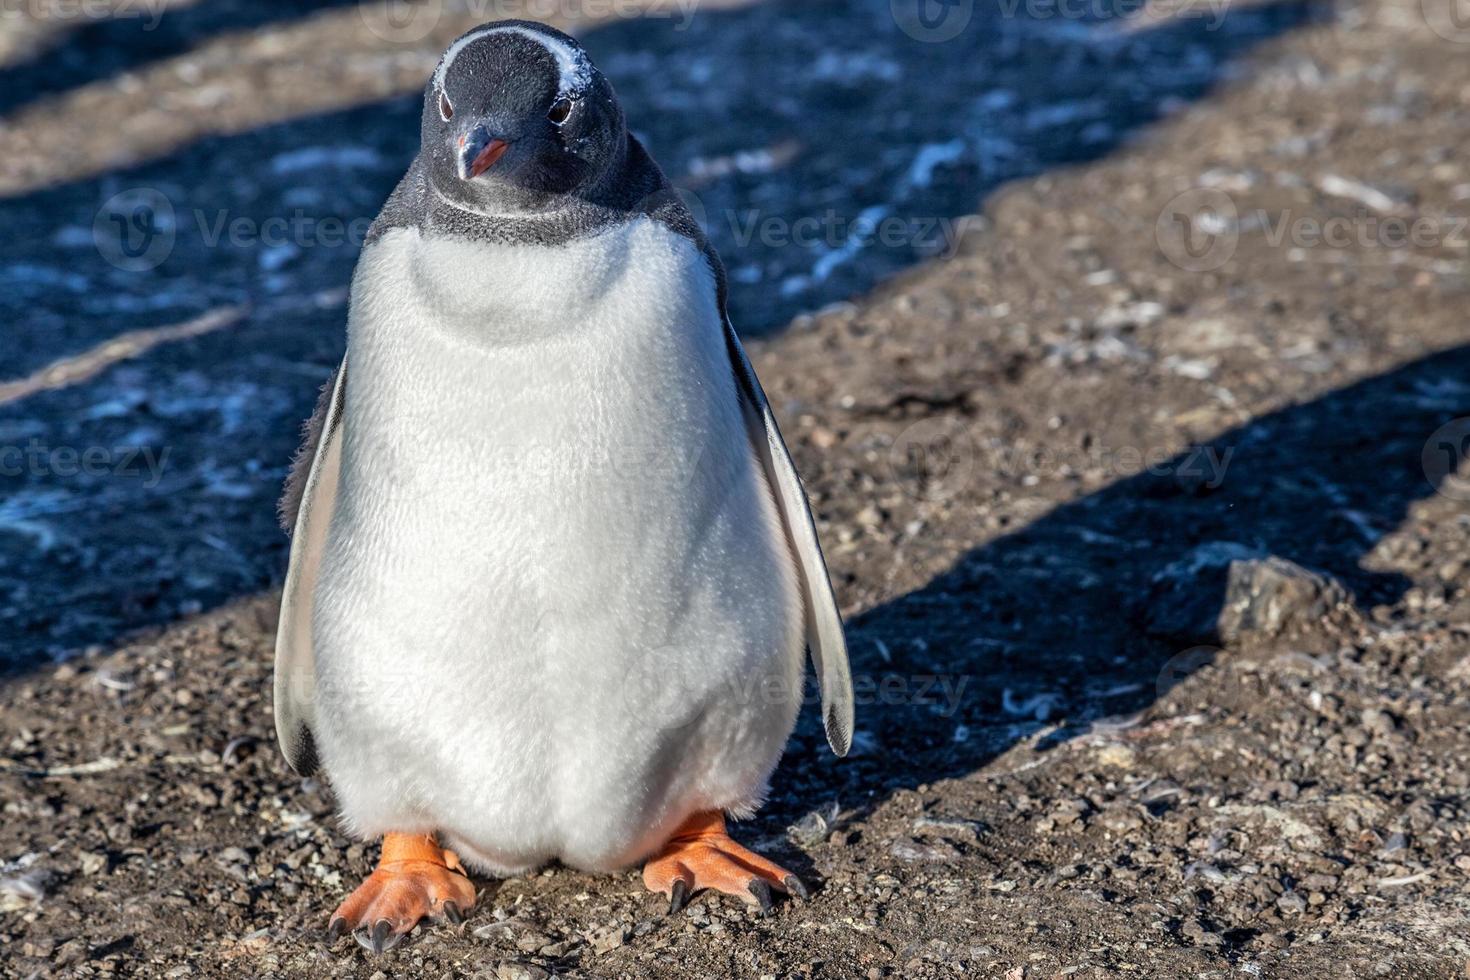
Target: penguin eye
<point x="560" y="111"/>
<point x="445" y="109"/>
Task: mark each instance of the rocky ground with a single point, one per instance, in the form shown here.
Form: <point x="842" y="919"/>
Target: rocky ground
<point x="1138" y="485"/>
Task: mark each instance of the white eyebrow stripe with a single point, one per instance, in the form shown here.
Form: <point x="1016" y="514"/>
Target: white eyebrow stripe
<point x="575" y="69"/>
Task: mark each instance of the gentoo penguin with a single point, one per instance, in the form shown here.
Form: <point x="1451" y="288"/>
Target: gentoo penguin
<point x="552" y="570"/>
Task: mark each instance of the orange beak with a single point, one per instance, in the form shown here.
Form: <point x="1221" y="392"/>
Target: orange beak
<point x="485" y="159"/>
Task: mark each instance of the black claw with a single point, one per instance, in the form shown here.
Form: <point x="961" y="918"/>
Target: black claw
<point x="761" y="889"/>
<point x="381" y="931"/>
<point x="797" y="887"/>
<point x="452" y="913"/>
<point x="336" y="929"/>
<point x="678" y="897"/>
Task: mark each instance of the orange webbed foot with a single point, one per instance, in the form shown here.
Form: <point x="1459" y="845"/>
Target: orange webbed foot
<point x="702" y="855"/>
<point x="415" y="878"/>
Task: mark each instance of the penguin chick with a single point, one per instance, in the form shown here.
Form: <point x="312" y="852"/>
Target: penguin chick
<point x="552" y="570"/>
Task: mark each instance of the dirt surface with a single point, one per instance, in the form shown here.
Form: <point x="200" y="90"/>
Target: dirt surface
<point x="1141" y="501"/>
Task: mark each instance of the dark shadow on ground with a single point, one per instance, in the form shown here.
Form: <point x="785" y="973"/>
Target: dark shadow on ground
<point x="780" y="111"/>
<point x="1060" y="607"/>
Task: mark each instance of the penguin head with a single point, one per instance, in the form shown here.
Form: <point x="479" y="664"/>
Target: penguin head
<point x="517" y="120"/>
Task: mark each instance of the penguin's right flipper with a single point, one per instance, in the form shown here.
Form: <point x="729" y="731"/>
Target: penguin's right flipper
<point x="295" y="683"/>
<point x="824" y="638"/>
<point x="825" y="641"/>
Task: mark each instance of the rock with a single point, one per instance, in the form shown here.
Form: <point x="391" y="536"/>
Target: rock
<point x="814" y="828"/>
<point x="965" y="830"/>
<point x="1225" y="592"/>
<point x="500" y="928"/>
<point x="520" y="971"/>
<point x="1379" y="722"/>
<point x="530" y="942"/>
<point x="1121" y="820"/>
<point x="1196" y="933"/>
<point x="22" y="891"/>
<point x="1292" y="903"/>
<point x="907" y="849"/>
<point x="823" y="437"/>
<point x="1297" y="831"/>
<point x="1272" y="596"/>
<point x="607" y="938"/>
<point x="1117" y="755"/>
<point x="38" y="948"/>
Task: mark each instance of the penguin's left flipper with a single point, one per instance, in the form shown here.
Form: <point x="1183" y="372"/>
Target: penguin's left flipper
<point x="824" y="638"/>
<point x="313" y="502"/>
<point x="415" y="879"/>
<point x="702" y="855"/>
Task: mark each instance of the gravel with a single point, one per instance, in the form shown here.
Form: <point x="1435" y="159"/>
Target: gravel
<point x="1084" y="750"/>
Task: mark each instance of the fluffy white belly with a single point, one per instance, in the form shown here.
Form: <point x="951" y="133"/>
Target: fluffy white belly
<point x="556" y="612"/>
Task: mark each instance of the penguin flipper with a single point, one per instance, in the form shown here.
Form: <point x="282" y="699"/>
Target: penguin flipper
<point x="295" y="681"/>
<point x="824" y="638"/>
